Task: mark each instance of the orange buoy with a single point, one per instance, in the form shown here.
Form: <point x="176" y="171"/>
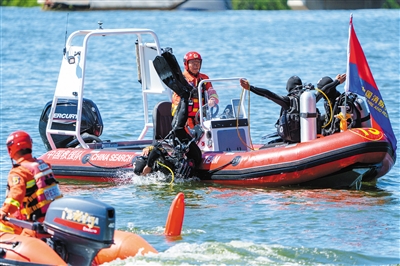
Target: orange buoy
<point x="173" y="226"/>
<point x="125" y="245"/>
<point x="25" y="249"/>
<point x="129" y="245"/>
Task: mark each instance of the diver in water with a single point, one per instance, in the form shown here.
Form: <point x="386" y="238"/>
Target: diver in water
<point x="186" y="156"/>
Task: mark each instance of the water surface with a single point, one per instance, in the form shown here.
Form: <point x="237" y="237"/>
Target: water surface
<point x="223" y="225"/>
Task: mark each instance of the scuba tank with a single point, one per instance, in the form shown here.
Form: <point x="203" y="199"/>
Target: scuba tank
<point x="364" y="112"/>
<point x="308" y="116"/>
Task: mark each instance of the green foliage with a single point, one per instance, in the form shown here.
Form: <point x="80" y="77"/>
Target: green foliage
<point x="391" y="4"/>
<point x="259" y="4"/>
<point x="21" y="3"/>
<point x="282" y="4"/>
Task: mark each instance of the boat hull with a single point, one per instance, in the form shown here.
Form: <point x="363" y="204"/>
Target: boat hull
<point x="23" y="250"/>
<point x="363" y="153"/>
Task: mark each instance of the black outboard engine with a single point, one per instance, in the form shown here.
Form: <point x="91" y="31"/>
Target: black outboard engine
<point x="80" y="228"/>
<point x="65" y="119"/>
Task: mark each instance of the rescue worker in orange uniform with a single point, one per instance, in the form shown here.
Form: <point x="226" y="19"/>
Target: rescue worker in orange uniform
<point x="192" y="63"/>
<point x="31" y="186"/>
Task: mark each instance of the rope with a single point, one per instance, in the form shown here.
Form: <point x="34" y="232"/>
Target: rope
<point x="169" y="169"/>
<point x="220" y="167"/>
<point x="330" y="107"/>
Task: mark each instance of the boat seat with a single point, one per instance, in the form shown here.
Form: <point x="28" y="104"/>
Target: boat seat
<point x="162" y="120"/>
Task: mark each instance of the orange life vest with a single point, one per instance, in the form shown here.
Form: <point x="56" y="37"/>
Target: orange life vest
<point x="194" y="105"/>
<point x="40" y="191"/>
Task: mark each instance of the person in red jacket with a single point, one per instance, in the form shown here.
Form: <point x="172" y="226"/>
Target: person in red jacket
<point x="192" y="63"/>
<point x="31" y="185"/>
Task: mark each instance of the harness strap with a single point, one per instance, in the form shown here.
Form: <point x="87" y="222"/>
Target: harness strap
<point x="29" y="210"/>
<point x="40" y="174"/>
<point x="366" y="118"/>
<point x="307" y="115"/>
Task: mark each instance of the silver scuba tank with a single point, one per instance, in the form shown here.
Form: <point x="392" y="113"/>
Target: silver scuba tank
<point x="308" y="116"/>
<point x="364" y="112"/>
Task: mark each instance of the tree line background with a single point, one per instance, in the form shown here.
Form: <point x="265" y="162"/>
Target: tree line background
<point x="282" y="4"/>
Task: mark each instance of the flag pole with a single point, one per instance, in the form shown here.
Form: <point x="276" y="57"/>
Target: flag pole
<point x="343" y="116"/>
<point x="347" y="85"/>
<point x="360" y="81"/>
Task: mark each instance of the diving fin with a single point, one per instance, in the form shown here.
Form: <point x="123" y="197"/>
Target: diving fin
<point x="176" y="69"/>
<point x="166" y="75"/>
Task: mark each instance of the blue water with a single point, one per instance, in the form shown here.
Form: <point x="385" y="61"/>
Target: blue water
<point x="223" y="225"/>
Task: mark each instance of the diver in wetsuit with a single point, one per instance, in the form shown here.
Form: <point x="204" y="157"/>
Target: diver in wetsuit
<point x="288" y="124"/>
<point x="169" y="71"/>
<point x="292" y="84"/>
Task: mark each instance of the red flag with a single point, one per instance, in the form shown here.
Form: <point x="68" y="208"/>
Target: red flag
<point x="360" y="81"/>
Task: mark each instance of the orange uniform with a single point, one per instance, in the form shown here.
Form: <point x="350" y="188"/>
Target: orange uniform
<point x="24" y="198"/>
<point x="194" y="101"/>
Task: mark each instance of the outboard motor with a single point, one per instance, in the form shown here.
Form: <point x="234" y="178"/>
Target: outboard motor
<point x="65" y="119"/>
<point x="80" y="228"/>
<point x="308" y="116"/>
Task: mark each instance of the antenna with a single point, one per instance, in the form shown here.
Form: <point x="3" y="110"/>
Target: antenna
<point x="65" y="41"/>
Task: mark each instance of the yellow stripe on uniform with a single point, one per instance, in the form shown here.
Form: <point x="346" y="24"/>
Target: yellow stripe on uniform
<point x="12" y="202"/>
<point x="6" y="229"/>
<point x="30" y="183"/>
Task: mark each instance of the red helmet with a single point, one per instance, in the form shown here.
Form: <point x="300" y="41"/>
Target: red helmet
<point x="190" y="56"/>
<point x="17" y="141"/>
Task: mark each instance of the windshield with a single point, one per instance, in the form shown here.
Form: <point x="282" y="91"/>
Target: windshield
<point x="232" y="101"/>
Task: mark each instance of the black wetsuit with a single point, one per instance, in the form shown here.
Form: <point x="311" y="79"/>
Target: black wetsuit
<point x="328" y="86"/>
<point x="178" y="128"/>
<point x="283" y="101"/>
<point x="169" y="71"/>
<point x="179" y="132"/>
<point x="293" y="83"/>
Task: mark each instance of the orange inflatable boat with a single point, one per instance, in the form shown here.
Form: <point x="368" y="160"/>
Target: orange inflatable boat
<point x="81" y="231"/>
<point x="71" y="128"/>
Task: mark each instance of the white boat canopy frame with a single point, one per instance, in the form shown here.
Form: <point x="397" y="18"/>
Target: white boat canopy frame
<point x="71" y="80"/>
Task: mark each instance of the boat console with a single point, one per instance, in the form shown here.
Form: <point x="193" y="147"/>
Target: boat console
<point x="227" y="130"/>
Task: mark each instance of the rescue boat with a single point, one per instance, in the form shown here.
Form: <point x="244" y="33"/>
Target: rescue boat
<point x="80" y="231"/>
<point x="71" y="128"/>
